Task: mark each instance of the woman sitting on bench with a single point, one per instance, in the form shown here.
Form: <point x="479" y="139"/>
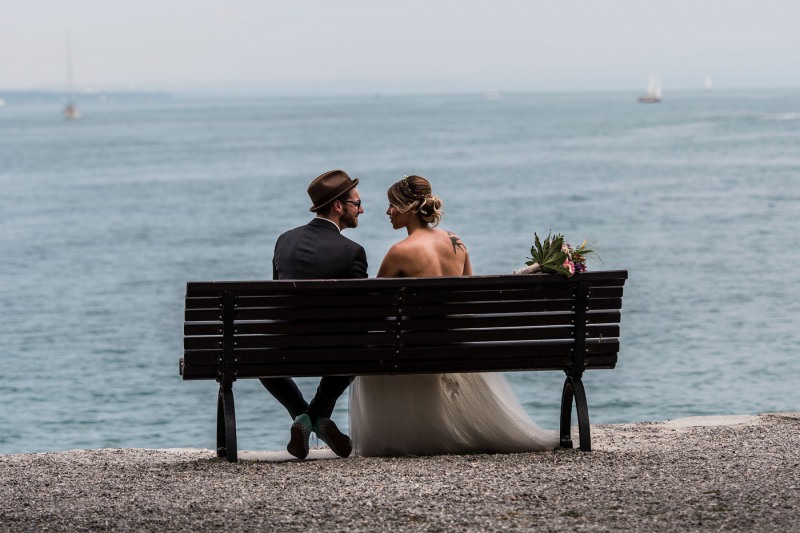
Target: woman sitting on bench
<point x="429" y="414"/>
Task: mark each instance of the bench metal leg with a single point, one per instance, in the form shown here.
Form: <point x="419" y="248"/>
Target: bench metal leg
<point x="226" y="424"/>
<point x="573" y="388"/>
<point x="583" y="415"/>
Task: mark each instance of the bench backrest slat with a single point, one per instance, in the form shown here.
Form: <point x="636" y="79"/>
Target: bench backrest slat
<point x="607" y="278"/>
<point x="429" y="324"/>
<point x="433" y="295"/>
<point x="439" y="338"/>
<point x="285" y="313"/>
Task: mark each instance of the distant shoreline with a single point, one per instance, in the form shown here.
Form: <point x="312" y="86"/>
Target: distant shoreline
<point x="47" y="94"/>
<point x="737" y="473"/>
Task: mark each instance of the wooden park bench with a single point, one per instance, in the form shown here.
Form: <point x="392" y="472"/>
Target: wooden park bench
<point x="252" y="329"/>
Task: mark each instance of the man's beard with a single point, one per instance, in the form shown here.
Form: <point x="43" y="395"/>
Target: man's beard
<point x="349" y="221"/>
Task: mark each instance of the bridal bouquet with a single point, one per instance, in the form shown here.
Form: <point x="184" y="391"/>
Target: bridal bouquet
<point x="555" y="256"/>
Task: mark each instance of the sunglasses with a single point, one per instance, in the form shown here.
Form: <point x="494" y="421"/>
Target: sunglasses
<point x="356" y="203"/>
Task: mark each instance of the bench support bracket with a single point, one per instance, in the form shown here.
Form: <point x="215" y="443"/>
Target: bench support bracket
<point x="226" y="424"/>
<point x="573" y="388"/>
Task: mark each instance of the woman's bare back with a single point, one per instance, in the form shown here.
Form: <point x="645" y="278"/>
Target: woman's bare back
<point x="427" y="253"/>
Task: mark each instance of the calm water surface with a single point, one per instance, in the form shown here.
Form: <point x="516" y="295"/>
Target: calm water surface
<point x="104" y="220"/>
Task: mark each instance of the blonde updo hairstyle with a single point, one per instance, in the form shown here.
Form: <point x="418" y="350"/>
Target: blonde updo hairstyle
<point x="413" y="193"/>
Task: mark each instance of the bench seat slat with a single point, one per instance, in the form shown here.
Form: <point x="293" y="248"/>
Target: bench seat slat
<point x="604" y="361"/>
<point x="430" y="363"/>
<point x="531" y="349"/>
<point x="387" y="366"/>
<point x="317" y="368"/>
<point x="451" y="352"/>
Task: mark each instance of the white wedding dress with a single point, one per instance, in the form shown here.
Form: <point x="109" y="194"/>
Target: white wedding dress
<point x="430" y="414"/>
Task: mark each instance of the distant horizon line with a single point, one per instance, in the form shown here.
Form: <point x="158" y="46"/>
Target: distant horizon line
<point x="216" y="91"/>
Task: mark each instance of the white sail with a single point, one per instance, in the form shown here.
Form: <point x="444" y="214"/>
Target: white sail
<point x="708" y="83"/>
<point x="653" y="89"/>
<point x="654" y="85"/>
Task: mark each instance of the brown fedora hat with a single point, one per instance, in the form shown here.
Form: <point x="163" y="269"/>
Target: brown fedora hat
<point x="328" y="187"/>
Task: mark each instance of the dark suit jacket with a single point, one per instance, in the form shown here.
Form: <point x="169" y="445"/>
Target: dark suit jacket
<point x="318" y="251"/>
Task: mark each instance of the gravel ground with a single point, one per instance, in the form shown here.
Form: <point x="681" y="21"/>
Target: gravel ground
<point x="716" y="473"/>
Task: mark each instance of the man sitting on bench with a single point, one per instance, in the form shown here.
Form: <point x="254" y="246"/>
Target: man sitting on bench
<point x="318" y="250"/>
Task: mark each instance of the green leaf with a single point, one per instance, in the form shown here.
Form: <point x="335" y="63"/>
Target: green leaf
<point x="548" y="253"/>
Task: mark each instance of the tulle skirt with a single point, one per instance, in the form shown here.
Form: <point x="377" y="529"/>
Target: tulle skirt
<point x="431" y="414"/>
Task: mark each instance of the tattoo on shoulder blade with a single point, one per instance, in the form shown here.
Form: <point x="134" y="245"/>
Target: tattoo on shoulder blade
<point x="456" y="241"/>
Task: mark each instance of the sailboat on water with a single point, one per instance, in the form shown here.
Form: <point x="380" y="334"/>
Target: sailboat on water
<point x="708" y="83"/>
<point x="71" y="109"/>
<point x="653" y="95"/>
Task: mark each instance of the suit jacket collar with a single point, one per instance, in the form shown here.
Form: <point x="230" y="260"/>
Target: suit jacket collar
<point x="324" y="223"/>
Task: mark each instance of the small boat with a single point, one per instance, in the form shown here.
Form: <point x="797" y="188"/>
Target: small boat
<point x="653" y="95"/>
<point x="708" y="83"/>
<point x="71" y="109"/>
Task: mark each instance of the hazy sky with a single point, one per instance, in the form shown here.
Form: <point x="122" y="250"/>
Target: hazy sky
<point x="414" y="45"/>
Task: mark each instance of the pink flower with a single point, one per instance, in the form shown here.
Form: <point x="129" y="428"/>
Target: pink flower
<point x="569" y="265"/>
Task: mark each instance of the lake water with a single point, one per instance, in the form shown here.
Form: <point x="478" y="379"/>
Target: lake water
<point x="104" y="219"/>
